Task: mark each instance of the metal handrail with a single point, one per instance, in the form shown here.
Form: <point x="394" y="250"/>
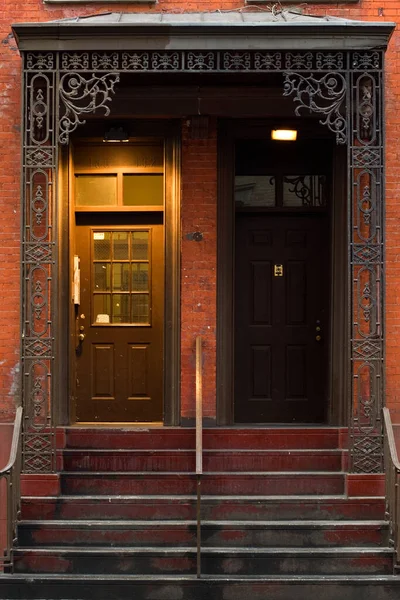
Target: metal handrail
<point x="199" y="444"/>
<point x="11" y="474"/>
<point x="392" y="484"/>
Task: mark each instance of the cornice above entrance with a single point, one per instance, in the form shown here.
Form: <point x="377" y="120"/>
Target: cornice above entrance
<point x="232" y="30"/>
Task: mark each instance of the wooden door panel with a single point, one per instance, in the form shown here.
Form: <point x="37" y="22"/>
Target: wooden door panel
<point x="138" y="357"/>
<point x="261" y="292"/>
<point x="280" y="368"/>
<point x="102" y="371"/>
<point x="261" y="237"/>
<point x="296" y="239"/>
<point x="261" y="369"/>
<point x="119" y="364"/>
<point x="296" y="293"/>
<point x="296" y="372"/>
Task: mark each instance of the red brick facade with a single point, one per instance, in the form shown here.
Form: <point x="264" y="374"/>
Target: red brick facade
<point x="199" y="203"/>
<point x="198" y="264"/>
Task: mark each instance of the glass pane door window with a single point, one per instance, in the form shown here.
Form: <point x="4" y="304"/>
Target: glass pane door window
<point x="121" y="277"/>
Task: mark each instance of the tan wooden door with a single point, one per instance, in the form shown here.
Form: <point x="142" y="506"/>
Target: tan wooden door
<point x="119" y="358"/>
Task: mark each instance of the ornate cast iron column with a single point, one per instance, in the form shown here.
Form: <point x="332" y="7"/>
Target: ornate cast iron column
<point x="38" y="258"/>
<point x="349" y="99"/>
<point x="343" y="88"/>
<point x="55" y="100"/>
<point x="366" y="254"/>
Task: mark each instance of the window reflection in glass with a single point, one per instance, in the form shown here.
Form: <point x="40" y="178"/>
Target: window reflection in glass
<point x="140" y="308"/>
<point x="102" y="307"/>
<point x="140" y="277"/>
<point x="102" y="245"/>
<point x="140" y="245"/>
<point x="102" y="277"/>
<point x="121" y="276"/>
<point x="120" y="245"/>
<point x="255" y="190"/>
<point x="120" y="308"/>
<point x="304" y="190"/>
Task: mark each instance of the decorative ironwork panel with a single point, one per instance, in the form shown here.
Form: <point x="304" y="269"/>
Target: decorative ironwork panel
<point x="268" y="61"/>
<point x="367" y="61"/>
<point x="38" y="259"/>
<point x="216" y="61"/>
<point x="135" y="61"/>
<point x="343" y="88"/>
<point x="365" y="221"/>
<point x="83" y="94"/>
<point x="321" y="94"/>
<point x="201" y="61"/>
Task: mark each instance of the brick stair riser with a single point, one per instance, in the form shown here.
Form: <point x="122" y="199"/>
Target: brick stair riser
<point x="26" y="562"/>
<point x="229" y="509"/>
<point x="296" y="565"/>
<point x="75" y="536"/>
<point x="211" y="536"/>
<point x="243" y="484"/>
<point x="185" y="563"/>
<point x="219" y="438"/>
<point x="80" y="589"/>
<point x="185" y="462"/>
<point x="287" y="537"/>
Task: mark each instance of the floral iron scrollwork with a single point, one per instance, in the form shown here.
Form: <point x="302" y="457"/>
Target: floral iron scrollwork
<point x="323" y="95"/>
<point x="82" y="94"/>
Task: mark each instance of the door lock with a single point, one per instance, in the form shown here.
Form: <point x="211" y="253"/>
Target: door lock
<point x="278" y="270"/>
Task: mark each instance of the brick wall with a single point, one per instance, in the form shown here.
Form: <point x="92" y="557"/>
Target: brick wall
<point x="10" y="218"/>
<point x="199" y="200"/>
<point x="198" y="264"/>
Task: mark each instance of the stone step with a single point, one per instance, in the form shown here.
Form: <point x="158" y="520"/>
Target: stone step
<point x="215" y="561"/>
<point x="230" y="507"/>
<point x="182" y="533"/>
<point x="170" y="587"/>
<point x="153" y="438"/>
<point x="223" y="483"/>
<point x="213" y="460"/>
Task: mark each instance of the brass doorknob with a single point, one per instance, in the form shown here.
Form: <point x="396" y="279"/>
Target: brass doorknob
<point x="318" y="338"/>
<point x="81" y="337"/>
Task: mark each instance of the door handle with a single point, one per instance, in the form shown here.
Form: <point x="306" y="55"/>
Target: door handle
<point x="80" y="336"/>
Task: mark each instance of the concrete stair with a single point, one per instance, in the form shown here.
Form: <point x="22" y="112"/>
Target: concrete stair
<point x="276" y="520"/>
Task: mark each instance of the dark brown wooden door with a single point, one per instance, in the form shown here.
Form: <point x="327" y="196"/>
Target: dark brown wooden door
<point x="281" y="311"/>
<point x="119" y="363"/>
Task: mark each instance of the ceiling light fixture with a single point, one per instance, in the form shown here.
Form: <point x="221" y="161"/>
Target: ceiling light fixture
<point x="284" y="135"/>
<point x="116" y="134"/>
